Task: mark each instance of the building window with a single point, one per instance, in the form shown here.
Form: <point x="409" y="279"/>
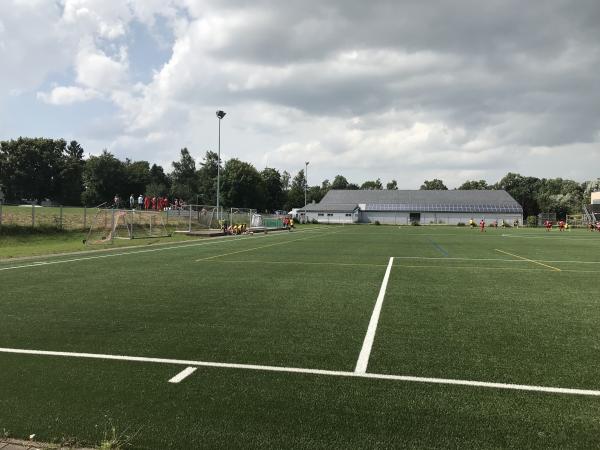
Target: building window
<point x="348" y="214"/>
<point x="329" y="214"/>
<point x="320" y="214"/>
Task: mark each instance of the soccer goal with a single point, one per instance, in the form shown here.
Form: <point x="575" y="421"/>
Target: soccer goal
<point x="261" y="222"/>
<point x="190" y="218"/>
<point x="111" y="224"/>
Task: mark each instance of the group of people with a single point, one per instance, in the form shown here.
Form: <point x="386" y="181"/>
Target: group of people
<point x="562" y="225"/>
<point x="236" y="229"/>
<point x="147" y="203"/>
<point x="595" y="226"/>
<point x="494" y="224"/>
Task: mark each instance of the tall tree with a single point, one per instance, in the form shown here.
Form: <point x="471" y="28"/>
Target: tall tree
<point x="185" y="183"/>
<point x="138" y="177"/>
<point x="207" y="178"/>
<point x="242" y="185"/>
<point x="523" y="190"/>
<point x="372" y="185"/>
<point x="30" y="168"/>
<point x="70" y="179"/>
<point x="103" y="177"/>
<point x="273" y="188"/>
<point x="433" y="185"/>
<point x="392" y="186"/>
<point x="296" y="193"/>
<point x="339" y="182"/>
<point x="474" y="185"/>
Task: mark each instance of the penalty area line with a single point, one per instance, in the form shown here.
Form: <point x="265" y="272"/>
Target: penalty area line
<point x="183" y="375"/>
<point x="378" y="376"/>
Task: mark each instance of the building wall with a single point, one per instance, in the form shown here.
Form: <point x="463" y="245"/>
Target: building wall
<point x="595" y="198"/>
<point x="429" y="218"/>
<point x="336" y="217"/>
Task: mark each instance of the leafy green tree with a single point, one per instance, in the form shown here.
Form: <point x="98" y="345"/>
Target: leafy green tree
<point x="69" y="184"/>
<point x="433" y="185"/>
<point x="242" y="185"/>
<point x="523" y="189"/>
<point x="296" y="193"/>
<point x="185" y="182"/>
<point x="138" y="177"/>
<point x="285" y="180"/>
<point x="207" y="178"/>
<point x="30" y="168"/>
<point x="392" y="186"/>
<point x="372" y="185"/>
<point x="103" y="177"/>
<point x="158" y="176"/>
<point x="352" y="187"/>
<point x="273" y="188"/>
<point x="339" y="182"/>
<point x="474" y="185"/>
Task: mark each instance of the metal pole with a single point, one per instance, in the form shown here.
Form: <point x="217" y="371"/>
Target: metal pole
<point x="84" y="217"/>
<point x="190" y="220"/>
<point x="0" y="213"/>
<point x="305" y="188"/>
<point x="32" y="216"/>
<point x="61" y="217"/>
<point x="219" y="173"/>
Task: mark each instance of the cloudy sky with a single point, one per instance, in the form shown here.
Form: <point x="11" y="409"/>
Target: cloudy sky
<point x="411" y="90"/>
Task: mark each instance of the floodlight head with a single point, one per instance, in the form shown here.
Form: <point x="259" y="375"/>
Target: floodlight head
<point x="220" y="114"/>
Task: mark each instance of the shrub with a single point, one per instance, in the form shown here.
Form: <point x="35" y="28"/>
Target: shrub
<point x="414" y="223"/>
<point x="377" y="222"/>
<point x="460" y="224"/>
<point x="532" y="221"/>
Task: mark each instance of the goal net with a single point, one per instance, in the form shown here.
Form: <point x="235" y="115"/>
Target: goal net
<point x="190" y="218"/>
<point x="259" y="221"/>
<point x="111" y="224"/>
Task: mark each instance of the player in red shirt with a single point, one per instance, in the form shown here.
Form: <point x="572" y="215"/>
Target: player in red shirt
<point x="482" y="225"/>
<point x="561" y="225"/>
<point x="146" y="202"/>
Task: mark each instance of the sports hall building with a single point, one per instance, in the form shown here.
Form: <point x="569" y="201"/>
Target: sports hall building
<point x="405" y="207"/>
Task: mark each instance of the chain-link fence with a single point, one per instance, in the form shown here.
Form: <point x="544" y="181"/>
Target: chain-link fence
<point x="54" y="217"/>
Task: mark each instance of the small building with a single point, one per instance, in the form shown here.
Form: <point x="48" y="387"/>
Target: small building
<point x="404" y="207"/>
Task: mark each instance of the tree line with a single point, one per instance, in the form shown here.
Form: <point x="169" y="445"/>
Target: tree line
<point x="38" y="169"/>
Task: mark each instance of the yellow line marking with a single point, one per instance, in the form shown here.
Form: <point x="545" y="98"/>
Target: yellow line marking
<point x="287" y="263"/>
<point x="468" y="268"/>
<point x="530" y="260"/>
<point x="263" y="246"/>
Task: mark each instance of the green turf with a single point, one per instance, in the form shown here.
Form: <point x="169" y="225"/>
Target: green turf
<point x="455" y="307"/>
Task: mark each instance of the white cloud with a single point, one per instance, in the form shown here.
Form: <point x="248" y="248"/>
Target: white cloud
<point x="66" y="95"/>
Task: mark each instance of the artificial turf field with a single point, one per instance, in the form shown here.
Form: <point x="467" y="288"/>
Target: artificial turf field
<point x="472" y="327"/>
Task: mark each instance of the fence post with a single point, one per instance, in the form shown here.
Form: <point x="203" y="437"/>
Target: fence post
<point x="61" y="217"/>
<point x="32" y="215"/>
<point x="0" y="214"/>
<point x="84" y="217"/>
<point x="190" y="220"/>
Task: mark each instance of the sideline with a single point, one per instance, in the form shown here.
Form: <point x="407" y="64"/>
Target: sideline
<point x="335" y="373"/>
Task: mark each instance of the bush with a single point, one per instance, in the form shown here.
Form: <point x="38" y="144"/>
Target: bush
<point x="377" y="222"/>
<point x="315" y="221"/>
<point x="461" y="224"/>
<point x="414" y="223"/>
<point x="532" y="221"/>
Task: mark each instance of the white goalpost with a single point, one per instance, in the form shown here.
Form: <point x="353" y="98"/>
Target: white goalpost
<point x="111" y="224"/>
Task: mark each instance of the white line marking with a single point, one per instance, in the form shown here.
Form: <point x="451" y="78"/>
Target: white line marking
<point x="150" y="250"/>
<point x="183" y="375"/>
<point x="335" y="373"/>
<point x="365" y="353"/>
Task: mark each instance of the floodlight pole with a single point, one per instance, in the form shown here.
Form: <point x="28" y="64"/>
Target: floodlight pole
<point x="305" y="188"/>
<point x="220" y="115"/>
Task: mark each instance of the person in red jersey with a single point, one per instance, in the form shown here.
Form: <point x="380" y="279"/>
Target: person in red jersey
<point x="482" y="225"/>
<point x="561" y="225"/>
